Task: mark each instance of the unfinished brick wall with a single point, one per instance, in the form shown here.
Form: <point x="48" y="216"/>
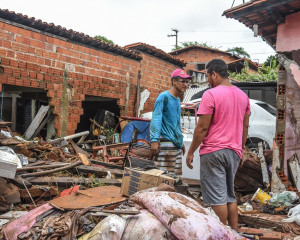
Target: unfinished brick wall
<point x="67" y="71"/>
<point x="156" y="77"/>
<point x="70" y="71"/>
<point x="197" y="55"/>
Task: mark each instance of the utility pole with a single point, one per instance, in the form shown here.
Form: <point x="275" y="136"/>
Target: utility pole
<point x="174" y="35"/>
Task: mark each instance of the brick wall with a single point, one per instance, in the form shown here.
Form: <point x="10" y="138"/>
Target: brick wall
<point x="197" y="55"/>
<point x="156" y="77"/>
<point x="69" y="71"/>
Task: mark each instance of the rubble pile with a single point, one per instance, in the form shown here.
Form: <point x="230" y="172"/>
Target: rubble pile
<point x="57" y="190"/>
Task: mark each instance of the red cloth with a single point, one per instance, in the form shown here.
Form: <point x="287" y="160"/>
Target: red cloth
<point x="69" y="191"/>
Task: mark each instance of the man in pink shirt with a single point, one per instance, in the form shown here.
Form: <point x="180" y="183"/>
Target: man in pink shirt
<point x="222" y="131"/>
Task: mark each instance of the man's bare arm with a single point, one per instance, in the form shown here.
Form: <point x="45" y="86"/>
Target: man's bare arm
<point x="245" y="129"/>
<point x="199" y="134"/>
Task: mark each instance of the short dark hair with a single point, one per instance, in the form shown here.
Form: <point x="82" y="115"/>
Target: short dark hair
<point x="175" y="79"/>
<point x="218" y="66"/>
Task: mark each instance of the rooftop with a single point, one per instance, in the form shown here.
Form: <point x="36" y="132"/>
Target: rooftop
<point x="68" y="34"/>
<point x="146" y="48"/>
<point x="267" y="14"/>
<point x="178" y="51"/>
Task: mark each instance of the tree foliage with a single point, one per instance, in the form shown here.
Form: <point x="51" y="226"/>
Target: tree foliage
<point x="264" y="74"/>
<point x="271" y="61"/>
<point x="192" y="43"/>
<point x="239" y="51"/>
<point x="104" y="39"/>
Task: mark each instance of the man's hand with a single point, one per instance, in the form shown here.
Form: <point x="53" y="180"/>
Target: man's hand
<point x="155" y="148"/>
<point x="183" y="150"/>
<point x="189" y="160"/>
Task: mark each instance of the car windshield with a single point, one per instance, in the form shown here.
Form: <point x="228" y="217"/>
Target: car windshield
<point x="268" y="108"/>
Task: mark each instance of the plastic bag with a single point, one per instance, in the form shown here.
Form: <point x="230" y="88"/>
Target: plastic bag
<point x="293" y="215"/>
<point x="285" y="198"/>
<point x="110" y="228"/>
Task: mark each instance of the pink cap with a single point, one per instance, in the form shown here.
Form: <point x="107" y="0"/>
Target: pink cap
<point x="180" y="73"/>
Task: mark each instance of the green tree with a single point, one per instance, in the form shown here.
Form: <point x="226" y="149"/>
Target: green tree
<point x="104" y="39"/>
<point x="264" y="74"/>
<point x="239" y="51"/>
<point x="271" y="61"/>
<point x="192" y="43"/>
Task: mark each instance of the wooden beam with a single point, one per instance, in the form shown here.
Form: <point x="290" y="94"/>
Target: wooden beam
<point x="258" y="8"/>
<point x="36" y="121"/>
<point x="98" y="171"/>
<point x="51" y="171"/>
<point x="71" y="181"/>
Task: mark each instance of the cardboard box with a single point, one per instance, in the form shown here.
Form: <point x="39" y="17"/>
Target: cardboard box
<point x="135" y="180"/>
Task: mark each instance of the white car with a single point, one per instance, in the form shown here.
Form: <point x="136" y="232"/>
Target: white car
<point x="262" y="123"/>
<point x="262" y="129"/>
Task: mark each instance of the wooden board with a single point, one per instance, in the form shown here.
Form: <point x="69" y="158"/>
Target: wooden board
<point x="71" y="181"/>
<point x="294" y="166"/>
<point x="98" y="196"/>
<point x="36" y="121"/>
<point x="99" y="171"/>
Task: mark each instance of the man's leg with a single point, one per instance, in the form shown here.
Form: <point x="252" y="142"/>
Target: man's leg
<point x="222" y="212"/>
<point x="233" y="215"/>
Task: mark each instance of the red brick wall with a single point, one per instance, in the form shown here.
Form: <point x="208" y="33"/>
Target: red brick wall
<point x="33" y="59"/>
<point x="36" y="60"/>
<point x="156" y="77"/>
<point x="195" y="55"/>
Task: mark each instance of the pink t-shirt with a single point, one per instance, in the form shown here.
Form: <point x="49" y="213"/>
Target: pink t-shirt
<point x="228" y="105"/>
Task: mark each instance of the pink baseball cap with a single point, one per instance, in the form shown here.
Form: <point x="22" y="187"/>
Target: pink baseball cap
<point x="180" y="73"/>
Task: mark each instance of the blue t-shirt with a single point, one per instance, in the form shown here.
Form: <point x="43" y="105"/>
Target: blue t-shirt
<point x="166" y="119"/>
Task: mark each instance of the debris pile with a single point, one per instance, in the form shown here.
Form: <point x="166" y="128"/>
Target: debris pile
<point x="58" y="190"/>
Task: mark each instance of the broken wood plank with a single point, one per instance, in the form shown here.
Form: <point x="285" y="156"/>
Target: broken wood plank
<point x="263" y="164"/>
<point x="83" y="158"/>
<point x="262" y="233"/>
<point x="36" y="121"/>
<point x="36" y="163"/>
<point x="71" y="181"/>
<point x="49" y="118"/>
<point x="294" y="167"/>
<point x="126" y="212"/>
<point x="42" y="167"/>
<point x="18" y="181"/>
<point x="263" y="220"/>
<point x="98" y="171"/>
<point x="105" y="164"/>
<point x="51" y="171"/>
<point x="38" y="192"/>
<point x="79" y="150"/>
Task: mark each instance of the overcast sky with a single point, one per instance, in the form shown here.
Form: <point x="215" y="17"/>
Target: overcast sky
<point x="148" y="21"/>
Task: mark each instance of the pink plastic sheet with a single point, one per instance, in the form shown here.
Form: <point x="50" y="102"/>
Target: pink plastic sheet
<point x="183" y="216"/>
<point x="22" y="224"/>
<point x="145" y="226"/>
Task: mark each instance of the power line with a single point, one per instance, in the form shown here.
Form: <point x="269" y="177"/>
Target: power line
<point x="221" y="31"/>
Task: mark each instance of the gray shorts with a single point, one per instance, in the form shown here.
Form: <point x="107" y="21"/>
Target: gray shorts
<point x="217" y="173"/>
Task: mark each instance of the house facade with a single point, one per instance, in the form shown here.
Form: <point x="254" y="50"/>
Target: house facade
<point x="277" y="23"/>
<point x="44" y="64"/>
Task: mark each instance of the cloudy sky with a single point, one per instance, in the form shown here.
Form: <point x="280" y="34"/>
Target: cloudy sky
<point x="148" y="21"/>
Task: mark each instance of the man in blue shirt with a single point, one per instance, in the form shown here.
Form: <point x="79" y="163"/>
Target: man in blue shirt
<point x="165" y="128"/>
